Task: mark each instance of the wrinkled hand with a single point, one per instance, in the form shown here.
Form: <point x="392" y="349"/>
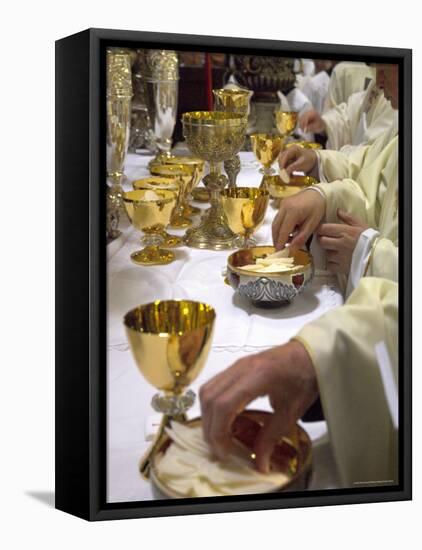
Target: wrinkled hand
<point x="299" y="216"/>
<point x="285" y="374"/>
<point x="297" y="159"/>
<point x="311" y="121"/>
<point x="339" y="241"/>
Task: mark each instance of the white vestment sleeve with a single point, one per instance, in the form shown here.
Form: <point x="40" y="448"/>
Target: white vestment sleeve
<point x="360" y="259"/>
<point x="342" y="344"/>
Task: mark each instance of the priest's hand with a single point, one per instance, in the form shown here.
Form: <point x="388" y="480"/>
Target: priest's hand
<point x="285" y="374"/>
<point x="298" y="159"/>
<point x="297" y="218"/>
<point x="339" y="241"/>
<point x="312" y="121"/>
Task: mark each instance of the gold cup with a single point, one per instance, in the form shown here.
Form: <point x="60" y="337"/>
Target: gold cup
<point x="245" y="209"/>
<point x="286" y="122"/>
<point x="267" y="147"/>
<point x="279" y="190"/>
<point x="170" y="341"/>
<point x="214" y="136"/>
<point x="170" y="183"/>
<point x="151" y="217"/>
<point x="188" y="175"/>
<point x="305" y="145"/>
<point x="190" y="161"/>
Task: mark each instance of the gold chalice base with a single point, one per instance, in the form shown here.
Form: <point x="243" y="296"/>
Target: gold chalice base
<point x="152" y="257"/>
<point x="292" y="455"/>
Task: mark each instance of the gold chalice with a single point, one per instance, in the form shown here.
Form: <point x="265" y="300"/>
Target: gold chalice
<point x="170" y="341"/>
<point x="267" y="147"/>
<point x="286" y="122"/>
<point x="233" y="101"/>
<point x="188" y="175"/>
<point x="189" y="160"/>
<point x="280" y="190"/>
<point x="151" y="217"/>
<point x="214" y="136"/>
<point x="157" y="182"/>
<point x="245" y="209"/>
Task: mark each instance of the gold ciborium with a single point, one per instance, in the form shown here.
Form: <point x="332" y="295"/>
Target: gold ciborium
<point x="214" y="136"/>
<point x="267" y="147"/>
<point x="151" y="217"/>
<point x="170" y="341"/>
<point x="188" y="176"/>
<point x="286" y="122"/>
<point x="170" y="183"/>
<point x="245" y="209"/>
<point x="233" y="101"/>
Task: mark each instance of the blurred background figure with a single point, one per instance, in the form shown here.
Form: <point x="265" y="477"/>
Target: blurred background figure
<point x="363" y="117"/>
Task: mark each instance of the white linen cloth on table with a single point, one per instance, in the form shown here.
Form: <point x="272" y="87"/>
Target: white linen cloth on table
<point x="240" y="329"/>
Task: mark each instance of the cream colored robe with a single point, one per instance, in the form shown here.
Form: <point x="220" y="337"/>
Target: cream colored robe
<point x="364" y="184"/>
<point x="361" y="120"/>
<point x="346" y="79"/>
<point x="343" y="346"/>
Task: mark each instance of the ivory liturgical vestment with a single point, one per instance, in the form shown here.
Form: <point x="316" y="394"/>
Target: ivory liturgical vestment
<point x="353" y="346"/>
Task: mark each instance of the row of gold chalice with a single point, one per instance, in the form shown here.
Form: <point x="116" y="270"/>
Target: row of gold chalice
<point x="171" y="184"/>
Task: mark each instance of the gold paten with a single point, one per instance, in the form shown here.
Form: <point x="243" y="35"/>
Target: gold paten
<point x="170" y="341"/>
<point x="292" y="454"/>
<point x="245" y="209"/>
<point x="214" y="136"/>
<point x="151" y="217"/>
<point x="286" y="122"/>
<point x="267" y="147"/>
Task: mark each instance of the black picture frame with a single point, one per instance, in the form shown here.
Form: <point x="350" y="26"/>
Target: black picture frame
<point x="81" y="272"/>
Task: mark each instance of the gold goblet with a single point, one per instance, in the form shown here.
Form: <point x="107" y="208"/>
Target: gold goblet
<point x="172" y="184"/>
<point x="286" y="122"/>
<point x="151" y="217"/>
<point x="267" y="147"/>
<point x="233" y="101"/>
<point x="187" y="175"/>
<point x="190" y="161"/>
<point x="214" y="136"/>
<point x="170" y="341"/>
<point x="245" y="209"/>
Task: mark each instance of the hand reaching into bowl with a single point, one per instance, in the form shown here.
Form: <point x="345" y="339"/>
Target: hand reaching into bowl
<point x="297" y="159"/>
<point x="312" y="121"/>
<point x="285" y="374"/>
<point x="299" y="216"/>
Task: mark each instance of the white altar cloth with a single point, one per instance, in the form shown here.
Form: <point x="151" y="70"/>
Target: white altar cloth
<point x="240" y="329"/>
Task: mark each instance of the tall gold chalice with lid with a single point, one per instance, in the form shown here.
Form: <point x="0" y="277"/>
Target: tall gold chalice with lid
<point x="170" y="341"/>
<point x="233" y="100"/>
<point x="214" y="136"/>
<point x="150" y="214"/>
<point x="286" y="122"/>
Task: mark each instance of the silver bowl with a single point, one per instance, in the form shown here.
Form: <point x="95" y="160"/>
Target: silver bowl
<point x="268" y="289"/>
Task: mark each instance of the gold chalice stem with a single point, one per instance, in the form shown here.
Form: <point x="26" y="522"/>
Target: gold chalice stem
<point x="152" y="254"/>
<point x="232" y="168"/>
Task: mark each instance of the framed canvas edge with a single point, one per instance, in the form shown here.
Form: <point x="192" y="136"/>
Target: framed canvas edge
<point x="98" y="509"/>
